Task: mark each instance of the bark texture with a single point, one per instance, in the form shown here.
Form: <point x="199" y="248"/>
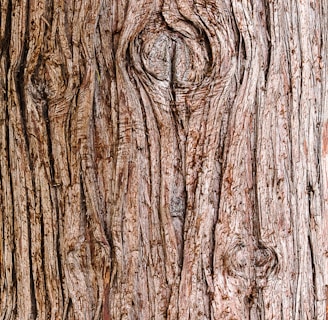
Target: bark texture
<point x="163" y="159"/>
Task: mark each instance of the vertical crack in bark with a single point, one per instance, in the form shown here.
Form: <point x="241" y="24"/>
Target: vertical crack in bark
<point x="19" y="83"/>
<point x="42" y="253"/>
<point x="6" y="33"/>
<point x="8" y="274"/>
<point x="45" y="114"/>
<point x="314" y="277"/>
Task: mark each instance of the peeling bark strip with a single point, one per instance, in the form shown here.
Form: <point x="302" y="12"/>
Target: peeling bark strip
<point x="163" y="159"/>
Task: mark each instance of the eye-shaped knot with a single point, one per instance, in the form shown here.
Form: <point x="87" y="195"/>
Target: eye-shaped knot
<point x="266" y="262"/>
<point x="237" y="259"/>
<point x="240" y="258"/>
<point x="168" y="55"/>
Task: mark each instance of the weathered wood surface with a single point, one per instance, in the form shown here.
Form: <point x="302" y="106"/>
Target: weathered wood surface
<point x="163" y="159"/>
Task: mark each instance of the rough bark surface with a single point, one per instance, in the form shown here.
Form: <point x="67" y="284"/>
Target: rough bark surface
<point x="163" y="159"/>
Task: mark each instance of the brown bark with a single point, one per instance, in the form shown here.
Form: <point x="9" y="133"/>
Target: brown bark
<point x="163" y="159"/>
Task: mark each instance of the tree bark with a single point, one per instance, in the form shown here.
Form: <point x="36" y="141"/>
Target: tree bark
<point x="163" y="159"/>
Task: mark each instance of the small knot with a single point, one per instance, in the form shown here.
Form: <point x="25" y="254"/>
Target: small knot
<point x="266" y="263"/>
<point x="237" y="260"/>
<point x="170" y="56"/>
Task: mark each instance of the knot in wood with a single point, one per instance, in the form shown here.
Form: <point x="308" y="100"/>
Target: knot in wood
<point x="237" y="260"/>
<point x="47" y="80"/>
<point x="241" y="259"/>
<point x="266" y="262"/>
<point x="170" y="56"/>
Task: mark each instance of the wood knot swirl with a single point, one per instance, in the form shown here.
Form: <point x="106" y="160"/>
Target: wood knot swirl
<point x="47" y="80"/>
<point x="240" y="259"/>
<point x="266" y="263"/>
<point x="168" y="55"/>
<point x="237" y="259"/>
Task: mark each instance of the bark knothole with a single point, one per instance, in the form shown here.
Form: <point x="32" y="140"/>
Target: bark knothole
<point x="266" y="264"/>
<point x="170" y="55"/>
<point x="241" y="259"/>
<point x="236" y="260"/>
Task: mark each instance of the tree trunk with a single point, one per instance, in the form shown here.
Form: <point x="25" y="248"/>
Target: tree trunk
<point x="163" y="159"/>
